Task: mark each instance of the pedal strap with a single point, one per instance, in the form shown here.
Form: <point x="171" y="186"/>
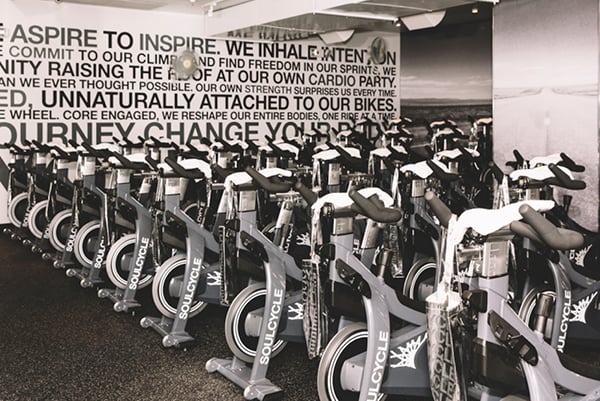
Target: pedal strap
<point x="512" y="339"/>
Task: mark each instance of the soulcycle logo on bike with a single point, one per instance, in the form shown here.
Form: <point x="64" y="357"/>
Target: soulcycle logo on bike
<point x="139" y="263"/>
<point x="100" y="254"/>
<point x="380" y="358"/>
<point x="272" y="326"/>
<point x="190" y="289"/>
<point x="71" y="239"/>
<point x="564" y="322"/>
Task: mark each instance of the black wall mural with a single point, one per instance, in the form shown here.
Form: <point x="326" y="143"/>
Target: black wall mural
<point x="446" y="71"/>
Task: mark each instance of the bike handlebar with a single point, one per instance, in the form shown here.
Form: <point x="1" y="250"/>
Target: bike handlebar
<point x="292" y="142"/>
<point x="280" y="152"/>
<point x="153" y="163"/>
<point x="519" y="157"/>
<point x="179" y="170"/>
<point x="351" y="162"/>
<point x="441" y="174"/>
<point x="229" y="147"/>
<point x="362" y="140"/>
<point x="269" y="184"/>
<point x="252" y="146"/>
<point x="156" y="142"/>
<point x="41" y="146"/>
<point x="221" y="172"/>
<point x="128" y="142"/>
<point x="369" y="208"/>
<point x="64" y="155"/>
<point x="320" y="134"/>
<point x="438" y="208"/>
<point x="128" y="163"/>
<point x="95" y="152"/>
<point x="464" y="152"/>
<point x="525" y="230"/>
<point x="498" y="174"/>
<point x="563" y="180"/>
<point x="554" y="237"/>
<point x="309" y="196"/>
<point x="395" y="155"/>
<point x="570" y="163"/>
<point x="16" y="148"/>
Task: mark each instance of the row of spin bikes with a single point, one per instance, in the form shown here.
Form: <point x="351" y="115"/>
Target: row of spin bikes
<point x="410" y="270"/>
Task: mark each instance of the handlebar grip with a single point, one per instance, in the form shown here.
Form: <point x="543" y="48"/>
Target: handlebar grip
<point x="229" y="147"/>
<point x="252" y="146"/>
<point x="406" y="133"/>
<point x="129" y="142"/>
<point x="429" y="150"/>
<point x="441" y="174"/>
<point x="40" y="146"/>
<point x="73" y="143"/>
<point x="362" y="140"/>
<point x="192" y="174"/>
<point x="525" y="230"/>
<point x="570" y="163"/>
<point x="292" y="142"/>
<point x="91" y="150"/>
<point x="498" y="174"/>
<point x="464" y="151"/>
<point x="564" y="180"/>
<point x="18" y="148"/>
<point x="352" y="162"/>
<point x="153" y="163"/>
<point x="128" y="163"/>
<point x="320" y="134"/>
<point x="388" y="164"/>
<point x="375" y="212"/>
<point x="518" y="157"/>
<point x="193" y="152"/>
<point x="221" y="172"/>
<point x="395" y="155"/>
<point x="439" y="208"/>
<point x="560" y="239"/>
<point x="309" y="196"/>
<point x="192" y="147"/>
<point x="278" y="151"/>
<point x="62" y="153"/>
<point x="266" y="183"/>
<point x="159" y="144"/>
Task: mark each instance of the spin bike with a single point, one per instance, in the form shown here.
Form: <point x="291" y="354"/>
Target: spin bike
<point x="508" y="359"/>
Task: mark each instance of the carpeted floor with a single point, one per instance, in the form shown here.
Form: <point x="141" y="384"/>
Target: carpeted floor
<point x="59" y="341"/>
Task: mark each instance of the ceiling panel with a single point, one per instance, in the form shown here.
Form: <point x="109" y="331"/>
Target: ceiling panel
<point x="287" y="18"/>
<point x="199" y="7"/>
<point x="400" y="7"/>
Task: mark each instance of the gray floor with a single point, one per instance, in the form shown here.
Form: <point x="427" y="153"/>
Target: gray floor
<point x="60" y="342"/>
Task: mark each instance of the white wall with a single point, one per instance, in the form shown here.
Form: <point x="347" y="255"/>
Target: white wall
<point x="52" y="53"/>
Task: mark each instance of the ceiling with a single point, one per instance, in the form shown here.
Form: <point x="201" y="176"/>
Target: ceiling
<point x="293" y="19"/>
